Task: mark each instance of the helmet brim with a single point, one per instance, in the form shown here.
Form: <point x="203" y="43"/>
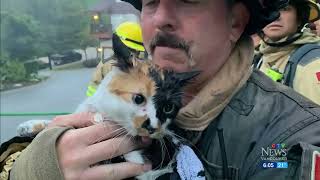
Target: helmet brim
<point x="314" y="11"/>
<point x="135" y="3"/>
<point x="255" y="24"/>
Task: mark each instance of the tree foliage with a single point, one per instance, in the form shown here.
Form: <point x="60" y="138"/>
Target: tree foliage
<point x="19" y="36"/>
<point x="41" y="27"/>
<point x="11" y="71"/>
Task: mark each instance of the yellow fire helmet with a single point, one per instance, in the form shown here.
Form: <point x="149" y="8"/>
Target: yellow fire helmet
<point x="131" y="35"/>
<point x="314" y="10"/>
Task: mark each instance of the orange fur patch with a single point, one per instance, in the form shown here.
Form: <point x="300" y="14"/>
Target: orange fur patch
<point x="137" y="81"/>
<point x="38" y="127"/>
<point x="137" y="123"/>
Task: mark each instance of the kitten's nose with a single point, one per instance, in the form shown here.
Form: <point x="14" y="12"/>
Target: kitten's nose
<point x="146" y="125"/>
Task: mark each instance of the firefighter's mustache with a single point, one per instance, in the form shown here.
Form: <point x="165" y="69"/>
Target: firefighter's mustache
<point x="169" y="40"/>
<point x="164" y="39"/>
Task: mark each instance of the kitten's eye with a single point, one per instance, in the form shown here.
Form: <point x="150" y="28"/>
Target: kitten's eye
<point x="168" y="108"/>
<point x="138" y="99"/>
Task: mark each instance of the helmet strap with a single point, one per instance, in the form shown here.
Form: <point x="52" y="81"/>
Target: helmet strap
<point x="288" y="41"/>
<point x="131" y="40"/>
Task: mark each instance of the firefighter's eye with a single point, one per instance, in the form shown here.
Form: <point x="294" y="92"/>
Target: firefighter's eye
<point x="190" y="1"/>
<point x="149" y="2"/>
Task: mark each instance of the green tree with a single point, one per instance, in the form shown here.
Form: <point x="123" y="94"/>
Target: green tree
<point x="11" y="70"/>
<point x="87" y="40"/>
<point x="71" y="22"/>
<point x="19" y="36"/>
<point x="56" y="26"/>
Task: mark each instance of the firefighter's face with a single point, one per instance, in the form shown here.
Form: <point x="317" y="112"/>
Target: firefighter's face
<point x="186" y="35"/>
<point x="287" y="24"/>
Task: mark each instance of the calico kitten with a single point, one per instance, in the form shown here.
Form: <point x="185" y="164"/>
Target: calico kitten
<point x="142" y="99"/>
<point x="139" y="97"/>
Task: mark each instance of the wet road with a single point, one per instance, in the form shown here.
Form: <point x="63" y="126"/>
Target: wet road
<point x="62" y="92"/>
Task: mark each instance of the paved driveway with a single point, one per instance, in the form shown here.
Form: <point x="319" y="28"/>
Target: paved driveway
<point x="62" y="92"/>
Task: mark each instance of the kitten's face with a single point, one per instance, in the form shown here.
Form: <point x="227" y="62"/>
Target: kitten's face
<point x="152" y="97"/>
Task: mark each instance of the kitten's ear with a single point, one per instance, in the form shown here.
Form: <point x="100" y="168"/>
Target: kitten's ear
<point x="186" y="77"/>
<point x="124" y="64"/>
<point x="122" y="54"/>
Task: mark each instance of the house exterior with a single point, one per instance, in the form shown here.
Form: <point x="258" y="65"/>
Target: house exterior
<point x="108" y="14"/>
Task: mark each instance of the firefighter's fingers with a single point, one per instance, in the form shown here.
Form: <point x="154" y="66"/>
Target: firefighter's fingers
<point x="78" y="120"/>
<point x="116" y="171"/>
<point x="109" y="149"/>
<point x="99" y="132"/>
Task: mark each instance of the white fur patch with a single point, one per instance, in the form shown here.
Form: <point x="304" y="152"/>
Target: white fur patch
<point x="165" y="126"/>
<point x="111" y="105"/>
<point x="154" y="174"/>
<point x="135" y="157"/>
<point x="151" y="112"/>
<point x="98" y="118"/>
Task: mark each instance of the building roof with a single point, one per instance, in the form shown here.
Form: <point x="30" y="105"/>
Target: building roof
<point x="113" y="7"/>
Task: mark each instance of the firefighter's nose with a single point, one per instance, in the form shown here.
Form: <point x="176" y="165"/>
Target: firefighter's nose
<point x="146" y="125"/>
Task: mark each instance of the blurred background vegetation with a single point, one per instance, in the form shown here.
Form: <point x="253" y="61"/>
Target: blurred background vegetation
<point x="37" y="28"/>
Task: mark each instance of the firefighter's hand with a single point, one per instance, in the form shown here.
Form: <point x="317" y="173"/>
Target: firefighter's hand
<point x="79" y="150"/>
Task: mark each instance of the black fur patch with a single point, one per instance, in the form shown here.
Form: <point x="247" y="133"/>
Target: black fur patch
<point x="160" y="154"/>
<point x="122" y="54"/>
<point x="169" y="91"/>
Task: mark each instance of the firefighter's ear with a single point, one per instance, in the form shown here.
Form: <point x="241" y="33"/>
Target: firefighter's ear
<point x="122" y="54"/>
<point x="239" y="20"/>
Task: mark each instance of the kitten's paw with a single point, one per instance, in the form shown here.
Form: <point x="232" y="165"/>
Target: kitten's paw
<point x="32" y="127"/>
<point x="98" y="118"/>
<point x="135" y="157"/>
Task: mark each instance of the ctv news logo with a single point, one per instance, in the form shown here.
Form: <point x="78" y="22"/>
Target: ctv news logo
<point x="276" y="152"/>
